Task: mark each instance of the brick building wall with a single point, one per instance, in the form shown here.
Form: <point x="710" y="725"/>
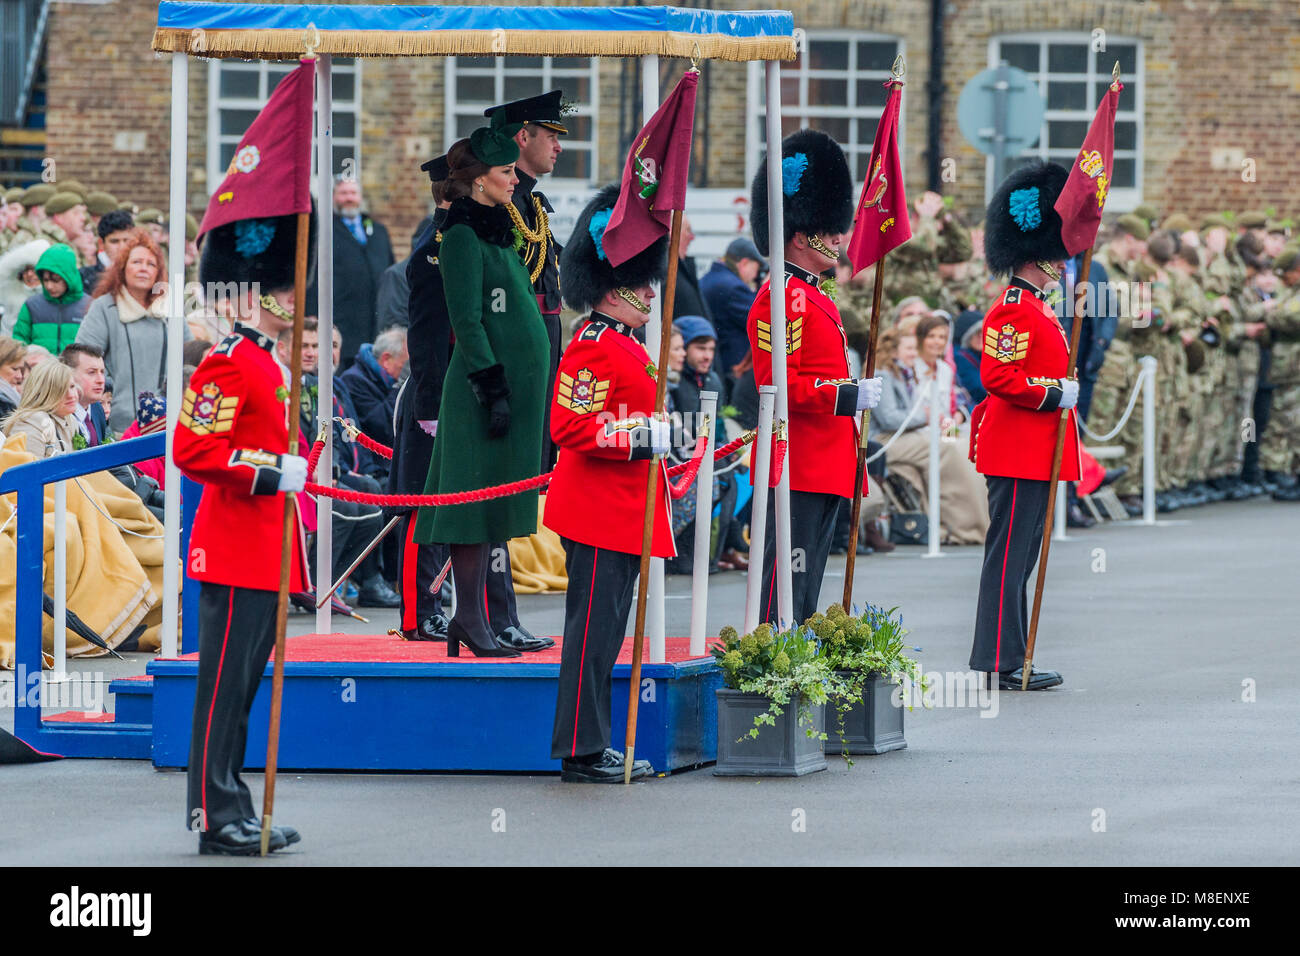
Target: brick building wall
<point x="1218" y="75"/>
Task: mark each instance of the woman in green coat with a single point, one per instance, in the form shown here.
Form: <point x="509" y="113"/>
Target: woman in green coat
<point x="491" y="417"/>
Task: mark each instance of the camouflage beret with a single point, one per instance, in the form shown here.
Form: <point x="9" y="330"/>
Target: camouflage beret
<point x="1280" y="226"/>
<point x="15" y="194"/>
<point x="128" y="206"/>
<point x="100" y="203"/>
<point x="1144" y="271"/>
<point x="1134" y="226"/>
<point x="1287" y="259"/>
<point x="37" y="195"/>
<point x="62" y="202"/>
<point x="191" y="228"/>
<point x="72" y="186"/>
<point x="145" y="216"/>
<point x="1178" y="223"/>
<point x="1215" y="220"/>
<point x="1147" y="213"/>
<point x="1252" y="219"/>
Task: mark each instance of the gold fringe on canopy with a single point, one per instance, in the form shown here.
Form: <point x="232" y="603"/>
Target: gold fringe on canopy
<point x="288" y="44"/>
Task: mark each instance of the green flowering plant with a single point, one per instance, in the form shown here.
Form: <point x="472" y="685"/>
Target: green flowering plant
<point x="860" y="648"/>
<point x="79" y="442"/>
<point x="780" y="666"/>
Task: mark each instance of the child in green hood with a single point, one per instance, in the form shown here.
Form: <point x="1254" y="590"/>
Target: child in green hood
<point x="52" y="316"/>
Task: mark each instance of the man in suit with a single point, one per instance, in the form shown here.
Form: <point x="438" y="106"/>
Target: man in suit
<point x="362" y="251"/>
<point x="87" y="364"/>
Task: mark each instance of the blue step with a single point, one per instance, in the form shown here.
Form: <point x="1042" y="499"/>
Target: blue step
<point x="133" y="700"/>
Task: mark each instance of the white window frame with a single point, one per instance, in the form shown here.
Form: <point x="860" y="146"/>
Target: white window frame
<point x="568" y="67"/>
<point x="756" y="110"/>
<point x="216" y="103"/>
<point x="1131" y="108"/>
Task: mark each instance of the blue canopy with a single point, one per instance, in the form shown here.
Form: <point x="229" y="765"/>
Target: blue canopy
<point x="277" y="31"/>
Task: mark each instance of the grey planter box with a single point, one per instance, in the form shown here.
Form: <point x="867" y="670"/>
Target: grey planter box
<point x="874" y="726"/>
<point x="785" y="750"/>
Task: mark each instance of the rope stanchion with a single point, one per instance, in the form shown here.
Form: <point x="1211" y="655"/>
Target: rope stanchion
<point x="921" y="393"/>
<point x="1128" y="411"/>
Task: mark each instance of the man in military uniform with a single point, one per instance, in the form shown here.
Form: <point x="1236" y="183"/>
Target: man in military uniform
<point x="232" y="435"/>
<point x="539" y="148"/>
<point x="601" y="418"/>
<point x="1222" y="277"/>
<point x="1280" y="445"/>
<point x="1013" y="431"/>
<point x="33" y="199"/>
<point x="938" y="238"/>
<point x="824" y="398"/>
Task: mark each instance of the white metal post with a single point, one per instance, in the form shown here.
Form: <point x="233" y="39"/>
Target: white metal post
<point x="1148" y="364"/>
<point x="932" y="479"/>
<point x="654" y="621"/>
<point x="60" y="671"/>
<point x="1058" y="522"/>
<point x="703" y="524"/>
<point x="175" y="345"/>
<point x="776" y="259"/>
<point x="758" y="506"/>
<point x="325" y="324"/>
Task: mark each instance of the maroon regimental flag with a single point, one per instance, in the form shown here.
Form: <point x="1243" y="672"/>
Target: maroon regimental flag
<point x="654" y="177"/>
<point x="881" y="223"/>
<point x="1084" y="195"/>
<point x="270" y="173"/>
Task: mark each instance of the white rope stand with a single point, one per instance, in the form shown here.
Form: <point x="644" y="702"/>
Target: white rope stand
<point x="934" y="532"/>
<point x="325" y="325"/>
<point x="1146" y="382"/>
<point x="758" y="506"/>
<point x="703" y="525"/>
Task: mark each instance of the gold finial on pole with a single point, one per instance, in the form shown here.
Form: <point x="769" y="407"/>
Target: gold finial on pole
<point x="695" y="57"/>
<point x="899" y="67"/>
<point x="310" y="40"/>
<point x="1114" y="76"/>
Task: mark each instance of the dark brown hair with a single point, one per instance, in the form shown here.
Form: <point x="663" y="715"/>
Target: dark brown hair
<point x="113" y="280"/>
<point x="464" y="167"/>
<point x="928" y="324"/>
<point x="1163" y="246"/>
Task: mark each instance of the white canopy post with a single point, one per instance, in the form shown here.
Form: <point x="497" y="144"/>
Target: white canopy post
<point x="932" y="474"/>
<point x="758" y="505"/>
<point x="175" y="350"/>
<point x="60" y="669"/>
<point x="324" y="324"/>
<point x="708" y="418"/>
<point x="654" y="622"/>
<point x="776" y="258"/>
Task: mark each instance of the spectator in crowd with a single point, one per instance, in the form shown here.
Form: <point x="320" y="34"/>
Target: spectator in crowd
<point x="67" y="213"/>
<point x="744" y="392"/>
<point x="37" y="355"/>
<point x="52" y="317"/>
<point x="87" y="364"/>
<point x="729" y="288"/>
<point x="154" y="223"/>
<point x="114" y="232"/>
<point x="931" y="363"/>
<point x="698" y="374"/>
<point x="18" y="279"/>
<point x="13" y="371"/>
<point x="128" y="321"/>
<point x="963" y="505"/>
<point x="372" y="383"/>
<point x="909" y="312"/>
<point x="362" y="251"/>
<point x="44" y="415"/>
<point x="969" y="330"/>
<point x="391" y="307"/>
<point x="676" y="360"/>
<point x="689" y="301"/>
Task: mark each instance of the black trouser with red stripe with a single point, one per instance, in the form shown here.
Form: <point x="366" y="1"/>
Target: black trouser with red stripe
<point x="812" y="527"/>
<point x="236" y="636"/>
<point x="420" y="565"/>
<point x="595" y="623"/>
<point x="1017" y="507"/>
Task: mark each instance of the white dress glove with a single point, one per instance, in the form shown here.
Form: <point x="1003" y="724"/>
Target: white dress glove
<point x="430" y="428"/>
<point x="869" y="390"/>
<point x="1069" y="393"/>
<point x="293" y="473"/>
<point x="661" y="434"/>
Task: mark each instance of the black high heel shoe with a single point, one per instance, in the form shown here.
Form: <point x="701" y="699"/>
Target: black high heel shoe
<point x="457" y="635"/>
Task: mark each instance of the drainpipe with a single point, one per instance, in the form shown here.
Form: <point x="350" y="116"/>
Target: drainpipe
<point x="934" y="90"/>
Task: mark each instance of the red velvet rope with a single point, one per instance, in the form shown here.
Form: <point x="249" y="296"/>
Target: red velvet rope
<point x="688" y="470"/>
<point x="778" y="461"/>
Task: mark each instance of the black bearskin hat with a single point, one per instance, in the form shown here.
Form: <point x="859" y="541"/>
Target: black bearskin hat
<point x="257" y="251"/>
<point x="817" y="185"/>
<point x="586" y="275"/>
<point x="1021" y="224"/>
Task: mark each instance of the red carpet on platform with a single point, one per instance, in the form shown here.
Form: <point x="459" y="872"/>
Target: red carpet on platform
<point x="387" y="649"/>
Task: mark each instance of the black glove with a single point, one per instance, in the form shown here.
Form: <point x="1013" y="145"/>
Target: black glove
<point x="493" y="393"/>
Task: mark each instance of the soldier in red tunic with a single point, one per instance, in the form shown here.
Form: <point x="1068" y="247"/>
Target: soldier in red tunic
<point x="824" y="398"/>
<point x="232" y="436"/>
<point x="1013" y="431"/>
<point x="601" y="421"/>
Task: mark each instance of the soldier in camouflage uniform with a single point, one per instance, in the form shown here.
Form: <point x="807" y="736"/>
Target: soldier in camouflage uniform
<point x="937" y="237"/>
<point x="1120" y="370"/>
<point x="1162" y="338"/>
<point x="1189" y="313"/>
<point x="29" y="223"/>
<point x="1280" y="444"/>
<point x="1222" y="277"/>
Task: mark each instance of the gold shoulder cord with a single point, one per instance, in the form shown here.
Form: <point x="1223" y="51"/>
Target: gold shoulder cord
<point x="537" y="239"/>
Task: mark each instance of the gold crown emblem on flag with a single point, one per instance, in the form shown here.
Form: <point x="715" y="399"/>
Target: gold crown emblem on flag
<point x="1091" y="163"/>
